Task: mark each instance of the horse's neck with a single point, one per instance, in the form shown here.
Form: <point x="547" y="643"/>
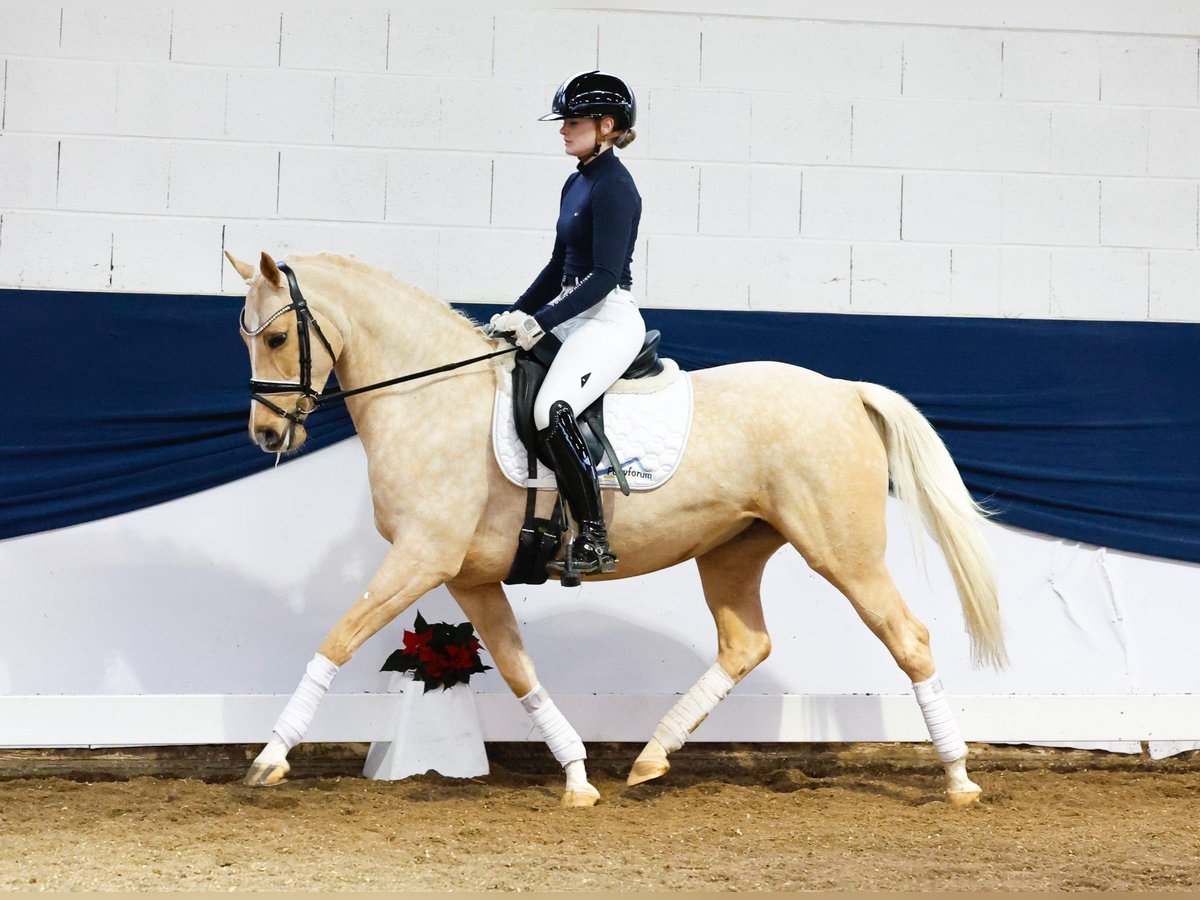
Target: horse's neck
<point x="389" y="329"/>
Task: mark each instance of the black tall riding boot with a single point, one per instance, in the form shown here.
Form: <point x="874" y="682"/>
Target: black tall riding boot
<point x="590" y="552"/>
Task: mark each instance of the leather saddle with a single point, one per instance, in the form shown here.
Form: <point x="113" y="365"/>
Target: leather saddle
<point x="529" y="371"/>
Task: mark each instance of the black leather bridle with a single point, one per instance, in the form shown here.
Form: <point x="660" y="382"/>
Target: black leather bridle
<point x="309" y="399"/>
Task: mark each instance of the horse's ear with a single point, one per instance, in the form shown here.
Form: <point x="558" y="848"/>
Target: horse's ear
<point x="270" y="271"/>
<point x="243" y="269"/>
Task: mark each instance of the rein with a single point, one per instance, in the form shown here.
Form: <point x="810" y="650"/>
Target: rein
<point x="310" y="399"/>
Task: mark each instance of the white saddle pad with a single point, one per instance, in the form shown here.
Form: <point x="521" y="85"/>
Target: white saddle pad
<point x="647" y="421"/>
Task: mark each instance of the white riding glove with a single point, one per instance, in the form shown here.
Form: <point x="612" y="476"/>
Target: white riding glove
<point x="502" y="322"/>
<point x="526" y="329"/>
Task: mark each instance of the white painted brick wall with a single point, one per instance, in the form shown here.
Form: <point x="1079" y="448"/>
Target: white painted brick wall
<point x="246" y="238"/>
<point x="60" y="96"/>
<point x="441" y="42"/>
<point x="796" y="129"/>
<point x="438" y="188"/>
<point x="937" y="134"/>
<point x="901" y="279"/>
<point x="670" y="194"/>
<point x="1047" y="209"/>
<point x="408" y="252"/>
<point x="775" y="195"/>
<point x="103" y="175"/>
<point x="1174" y="277"/>
<point x="951" y="63"/>
<point x="526" y="189"/>
<point x="724" y="199"/>
<point x="29" y="29"/>
<point x="230" y="181"/>
<point x="1099" y="284"/>
<point x="694" y="124"/>
<point x="127" y="34"/>
<point x="694" y="272"/>
<point x="251" y="38"/>
<point x="1155" y="212"/>
<point x="975" y="275"/>
<point x="952" y="206"/>
<point x="166" y="255"/>
<point x="335" y="184"/>
<point x="40" y="249"/>
<point x="28" y="171"/>
<point x="170" y="101"/>
<point x="544" y="46"/>
<point x="803" y="56"/>
<point x="279" y="107"/>
<point x="851" y="203"/>
<point x="1051" y="66"/>
<point x="807" y="276"/>
<point x="651" y="49"/>
<point x="1092" y="139"/>
<point x="346" y="41"/>
<point x="497" y="116"/>
<point x="1045" y="173"/>
<point x="462" y="280"/>
<point x="1025" y="282"/>
<point x="1174" y="142"/>
<point x="1153" y="71"/>
<point x="385" y="111"/>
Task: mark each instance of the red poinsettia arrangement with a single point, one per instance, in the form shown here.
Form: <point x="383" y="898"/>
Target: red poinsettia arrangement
<point x="438" y="654"/>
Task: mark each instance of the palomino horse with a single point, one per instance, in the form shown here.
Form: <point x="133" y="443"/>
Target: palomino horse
<point x="806" y="461"/>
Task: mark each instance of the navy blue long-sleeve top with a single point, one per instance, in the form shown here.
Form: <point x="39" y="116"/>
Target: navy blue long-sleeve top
<point x="597" y="226"/>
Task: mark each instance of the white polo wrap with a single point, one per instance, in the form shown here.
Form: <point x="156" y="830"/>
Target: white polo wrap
<point x="297" y="716"/>
<point x="693" y="708"/>
<point x="556" y="731"/>
<point x="943" y="730"/>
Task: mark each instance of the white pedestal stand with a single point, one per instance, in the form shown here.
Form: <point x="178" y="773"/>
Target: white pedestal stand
<point x="438" y="730"/>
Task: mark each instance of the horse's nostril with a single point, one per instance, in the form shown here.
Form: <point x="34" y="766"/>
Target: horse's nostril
<point x="268" y="438"/>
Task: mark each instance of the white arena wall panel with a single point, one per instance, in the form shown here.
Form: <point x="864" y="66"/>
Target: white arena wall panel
<point x="918" y="158"/>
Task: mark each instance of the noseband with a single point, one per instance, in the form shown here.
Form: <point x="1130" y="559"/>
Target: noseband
<point x="309" y="399"/>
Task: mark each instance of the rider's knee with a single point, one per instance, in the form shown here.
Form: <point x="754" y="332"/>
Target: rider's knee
<point x="547" y="410"/>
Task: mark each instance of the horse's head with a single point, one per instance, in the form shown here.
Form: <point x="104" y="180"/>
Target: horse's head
<point x="291" y="356"/>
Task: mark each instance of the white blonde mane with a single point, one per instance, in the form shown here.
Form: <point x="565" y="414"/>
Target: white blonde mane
<point x="356" y="267"/>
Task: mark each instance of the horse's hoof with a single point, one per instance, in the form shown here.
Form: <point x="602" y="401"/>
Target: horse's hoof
<point x="964" y="799"/>
<point x="647" y="770"/>
<point x="580" y="799"/>
<point x="266" y="774"/>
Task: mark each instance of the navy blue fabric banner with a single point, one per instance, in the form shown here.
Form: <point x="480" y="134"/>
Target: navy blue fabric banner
<point x="116" y="402"/>
<point x="1084" y="430"/>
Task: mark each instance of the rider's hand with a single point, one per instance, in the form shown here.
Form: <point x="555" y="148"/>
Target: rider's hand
<point x="502" y="321"/>
<point x="526" y="328"/>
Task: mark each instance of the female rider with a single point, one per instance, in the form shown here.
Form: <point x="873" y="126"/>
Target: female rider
<point x="583" y="294"/>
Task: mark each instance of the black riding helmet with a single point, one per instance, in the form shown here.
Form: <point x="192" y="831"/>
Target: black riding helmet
<point x="590" y="95"/>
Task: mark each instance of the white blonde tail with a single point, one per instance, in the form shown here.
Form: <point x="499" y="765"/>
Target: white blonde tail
<point x="925" y="478"/>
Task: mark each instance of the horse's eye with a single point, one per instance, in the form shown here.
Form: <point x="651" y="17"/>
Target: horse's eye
<point x="276" y="340"/>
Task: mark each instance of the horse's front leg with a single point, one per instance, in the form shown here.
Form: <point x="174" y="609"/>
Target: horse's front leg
<point x="395" y="587"/>
<point x="731" y="574"/>
<point x="489" y="611"/>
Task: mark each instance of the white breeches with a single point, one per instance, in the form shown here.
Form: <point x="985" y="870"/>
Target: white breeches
<point x="598" y="346"/>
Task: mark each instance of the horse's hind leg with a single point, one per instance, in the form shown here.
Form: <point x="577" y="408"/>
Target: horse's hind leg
<point x="490" y="613"/>
<point x="879" y="604"/>
<point x="731" y="575"/>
